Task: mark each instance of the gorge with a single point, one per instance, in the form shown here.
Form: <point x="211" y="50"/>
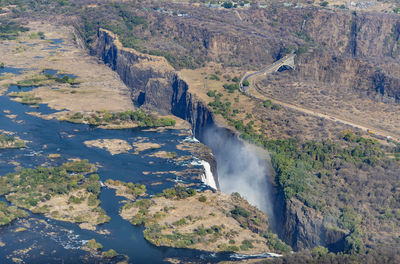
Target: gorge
<point x="191" y="157"/>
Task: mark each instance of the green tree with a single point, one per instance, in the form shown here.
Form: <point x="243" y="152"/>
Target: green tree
<point x="227" y="4"/>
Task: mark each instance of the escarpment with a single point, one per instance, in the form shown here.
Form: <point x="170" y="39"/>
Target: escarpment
<point x="355" y="52"/>
<point x="304" y="227"/>
<point x="155" y="85"/>
<point x="341" y="57"/>
<point x="348" y="75"/>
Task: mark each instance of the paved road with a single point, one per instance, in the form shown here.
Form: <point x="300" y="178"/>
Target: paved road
<point x="378" y="132"/>
<point x="265" y="70"/>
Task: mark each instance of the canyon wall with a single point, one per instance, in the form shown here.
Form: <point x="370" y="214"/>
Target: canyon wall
<point x="358" y="52"/>
<point x="155" y="85"/>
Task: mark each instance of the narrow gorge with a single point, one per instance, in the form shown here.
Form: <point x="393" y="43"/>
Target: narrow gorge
<point x="323" y="75"/>
<point x="155" y="85"/>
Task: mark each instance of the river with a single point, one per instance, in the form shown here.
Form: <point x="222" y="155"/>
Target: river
<point x="52" y="241"/>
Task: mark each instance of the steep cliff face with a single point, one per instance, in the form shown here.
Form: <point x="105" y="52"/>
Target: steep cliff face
<point x="348" y="75"/>
<point x="154" y="85"/>
<point x="357" y="52"/>
<point x="303" y="227"/>
<point x="363" y="35"/>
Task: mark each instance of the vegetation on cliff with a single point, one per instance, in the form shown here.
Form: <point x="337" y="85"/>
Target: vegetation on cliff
<point x="309" y="171"/>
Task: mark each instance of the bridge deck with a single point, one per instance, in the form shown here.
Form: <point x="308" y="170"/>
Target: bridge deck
<point x="274" y="66"/>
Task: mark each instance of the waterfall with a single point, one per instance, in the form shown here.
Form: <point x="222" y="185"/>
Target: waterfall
<point x="242" y="168"/>
<point x="208" y="177"/>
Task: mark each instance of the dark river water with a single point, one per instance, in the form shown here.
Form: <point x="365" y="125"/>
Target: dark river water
<point x="59" y="242"/>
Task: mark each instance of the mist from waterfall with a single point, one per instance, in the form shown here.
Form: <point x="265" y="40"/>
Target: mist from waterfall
<point x="242" y="168"/>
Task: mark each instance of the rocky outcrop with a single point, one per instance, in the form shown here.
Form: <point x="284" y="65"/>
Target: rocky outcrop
<point x="303" y="227"/>
<point x="357" y="51"/>
<point x="155" y="85"/>
<point x="348" y="75"/>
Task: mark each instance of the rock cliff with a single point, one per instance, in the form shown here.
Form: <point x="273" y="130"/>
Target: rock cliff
<point x="303" y="227"/>
<point x="356" y="51"/>
<point x="154" y="85"/>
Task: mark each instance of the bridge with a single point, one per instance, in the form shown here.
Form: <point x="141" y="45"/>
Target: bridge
<point x="288" y="61"/>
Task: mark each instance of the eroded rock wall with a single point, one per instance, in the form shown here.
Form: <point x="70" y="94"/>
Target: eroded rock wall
<point x="155" y="85"/>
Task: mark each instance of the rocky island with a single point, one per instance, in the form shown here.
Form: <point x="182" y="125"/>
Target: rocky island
<point x="62" y="193"/>
<point x="9" y="141"/>
<point x="180" y="217"/>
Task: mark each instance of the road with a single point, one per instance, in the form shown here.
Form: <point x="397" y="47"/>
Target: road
<point x="378" y="132"/>
<point x="265" y="70"/>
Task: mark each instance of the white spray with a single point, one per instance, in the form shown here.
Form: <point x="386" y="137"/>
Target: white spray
<point x="241" y="168"/>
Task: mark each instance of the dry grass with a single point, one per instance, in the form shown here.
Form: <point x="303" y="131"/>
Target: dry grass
<point x="114" y="146"/>
<point x="213" y="212"/>
<point x="100" y="87"/>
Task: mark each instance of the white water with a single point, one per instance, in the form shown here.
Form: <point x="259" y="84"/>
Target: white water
<point x="263" y="255"/>
<point x="191" y="139"/>
<point x="208" y="177"/>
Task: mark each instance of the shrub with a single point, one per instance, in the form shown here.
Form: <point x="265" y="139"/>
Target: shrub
<point x="202" y="199"/>
<point x="231" y="87"/>
<point x="235" y="79"/>
<point x="240" y="211"/>
<point x="214" y="77"/>
<point x="319" y="251"/>
<point x="92" y="200"/>
<point x="275" y="107"/>
<point x="94" y="187"/>
<point x="180" y="222"/>
<point x="267" y="104"/>
<point x="211" y="93"/>
<point x="41" y="35"/>
<point x="325" y="3"/>
<point x="110" y="254"/>
<point x="246" y="244"/>
<point x="77" y="115"/>
<point x="227" y="4"/>
<point x="94" y="245"/>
